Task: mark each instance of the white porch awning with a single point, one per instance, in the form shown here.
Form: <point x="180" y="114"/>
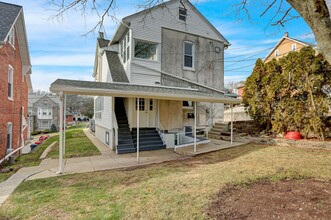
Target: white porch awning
<point x="138" y="91"/>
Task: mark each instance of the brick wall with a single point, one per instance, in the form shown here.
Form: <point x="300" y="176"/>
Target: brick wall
<point x="10" y="110"/>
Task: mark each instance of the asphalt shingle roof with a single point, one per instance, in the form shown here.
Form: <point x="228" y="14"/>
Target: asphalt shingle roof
<point x="103" y="42"/>
<point x="115" y="66"/>
<point x="131" y="90"/>
<point x="8" y="15"/>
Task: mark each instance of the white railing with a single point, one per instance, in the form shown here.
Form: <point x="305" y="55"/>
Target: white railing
<point x="160" y="127"/>
<point x="10" y="154"/>
<point x="187" y="138"/>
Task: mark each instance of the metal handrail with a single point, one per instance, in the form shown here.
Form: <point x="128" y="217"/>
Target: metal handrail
<point x="212" y="115"/>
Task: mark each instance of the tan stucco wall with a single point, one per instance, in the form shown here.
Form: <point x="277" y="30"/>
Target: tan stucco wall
<point x="171" y="115"/>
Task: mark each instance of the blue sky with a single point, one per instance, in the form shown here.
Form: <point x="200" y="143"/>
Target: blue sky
<point x="58" y="48"/>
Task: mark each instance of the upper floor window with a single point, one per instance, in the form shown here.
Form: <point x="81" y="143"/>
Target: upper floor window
<point x="11" y="37"/>
<point x="294" y="47"/>
<point x="145" y="50"/>
<point x="10" y="82"/>
<point x="125" y="47"/>
<point x="188" y="55"/>
<point x="276" y="53"/>
<point x="182" y="14"/>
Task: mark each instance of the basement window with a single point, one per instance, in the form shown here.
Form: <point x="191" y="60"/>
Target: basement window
<point x="9" y="136"/>
<point x="182" y="14"/>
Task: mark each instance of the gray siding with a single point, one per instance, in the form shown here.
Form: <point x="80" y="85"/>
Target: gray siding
<point x="209" y="65"/>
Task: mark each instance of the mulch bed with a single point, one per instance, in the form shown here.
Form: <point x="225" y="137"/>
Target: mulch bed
<point x="287" y="199"/>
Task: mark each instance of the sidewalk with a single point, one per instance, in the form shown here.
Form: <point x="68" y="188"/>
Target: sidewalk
<point x="108" y="160"/>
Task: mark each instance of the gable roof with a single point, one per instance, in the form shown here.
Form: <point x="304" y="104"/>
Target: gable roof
<point x="34" y="98"/>
<point x="8" y="16"/>
<point x="125" y="23"/>
<point x="116" y="68"/>
<point x="285" y="37"/>
<point x="12" y="15"/>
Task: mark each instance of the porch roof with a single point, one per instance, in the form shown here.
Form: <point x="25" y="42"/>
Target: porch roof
<point x="137" y="91"/>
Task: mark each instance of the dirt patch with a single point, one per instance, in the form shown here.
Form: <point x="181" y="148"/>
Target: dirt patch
<point x="288" y="199"/>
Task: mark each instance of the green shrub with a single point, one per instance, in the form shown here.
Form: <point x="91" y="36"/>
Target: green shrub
<point x="53" y="128"/>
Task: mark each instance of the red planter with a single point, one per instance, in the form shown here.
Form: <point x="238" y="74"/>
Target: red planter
<point x="293" y="135"/>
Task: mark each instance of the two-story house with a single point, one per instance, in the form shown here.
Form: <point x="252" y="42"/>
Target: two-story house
<point x="158" y="79"/>
<point x="15" y="82"/>
<point x="284" y="46"/>
<point x="43" y="111"/>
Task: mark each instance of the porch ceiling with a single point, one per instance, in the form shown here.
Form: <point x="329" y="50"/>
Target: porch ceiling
<point x="137" y="91"/>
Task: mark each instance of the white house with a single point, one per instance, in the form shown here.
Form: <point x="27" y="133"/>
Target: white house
<point x="161" y="76"/>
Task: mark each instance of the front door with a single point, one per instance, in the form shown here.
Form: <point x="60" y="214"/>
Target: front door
<point x="146" y="112"/>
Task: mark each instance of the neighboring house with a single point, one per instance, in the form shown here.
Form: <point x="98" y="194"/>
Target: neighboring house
<point x="284" y="47"/>
<point x="43" y="111"/>
<point x="159" y="65"/>
<point x="15" y="82"/>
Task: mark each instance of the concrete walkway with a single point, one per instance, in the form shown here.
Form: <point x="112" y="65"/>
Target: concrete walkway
<point x="108" y="160"/>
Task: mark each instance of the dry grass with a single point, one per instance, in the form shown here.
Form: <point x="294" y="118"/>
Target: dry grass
<point x="172" y="190"/>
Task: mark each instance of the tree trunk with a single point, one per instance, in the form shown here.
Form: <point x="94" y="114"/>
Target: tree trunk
<point x="316" y="14"/>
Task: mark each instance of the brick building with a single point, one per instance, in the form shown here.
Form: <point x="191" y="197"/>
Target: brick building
<point x="15" y="82"/>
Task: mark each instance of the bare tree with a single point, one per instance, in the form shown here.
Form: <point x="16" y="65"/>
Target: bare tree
<point x="316" y="13"/>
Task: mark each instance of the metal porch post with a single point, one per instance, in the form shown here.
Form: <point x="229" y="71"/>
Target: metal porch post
<point x="64" y="123"/>
<point x="195" y="127"/>
<point x="231" y="106"/>
<point x="138" y="110"/>
<point x="61" y="135"/>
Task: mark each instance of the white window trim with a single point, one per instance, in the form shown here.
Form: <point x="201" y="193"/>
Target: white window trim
<point x="294" y="46"/>
<point x="11" y="98"/>
<point x="276" y="53"/>
<point x="11" y="37"/>
<point x="193" y="56"/>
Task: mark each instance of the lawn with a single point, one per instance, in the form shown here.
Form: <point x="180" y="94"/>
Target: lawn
<point x="172" y="190"/>
<point x="77" y="145"/>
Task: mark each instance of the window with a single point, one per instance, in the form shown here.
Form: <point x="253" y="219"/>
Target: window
<point x="141" y="104"/>
<point x="9" y="135"/>
<point x="187" y="104"/>
<point x="145" y="50"/>
<point x="11" y="37"/>
<point x="151" y="105"/>
<point x="45" y="124"/>
<point x="45" y="102"/>
<point x="10" y="82"/>
<point x="294" y="47"/>
<point x="189" y="55"/>
<point x="182" y="14"/>
<point x="276" y="53"/>
<point x="99" y="105"/>
<point x="125" y="48"/>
